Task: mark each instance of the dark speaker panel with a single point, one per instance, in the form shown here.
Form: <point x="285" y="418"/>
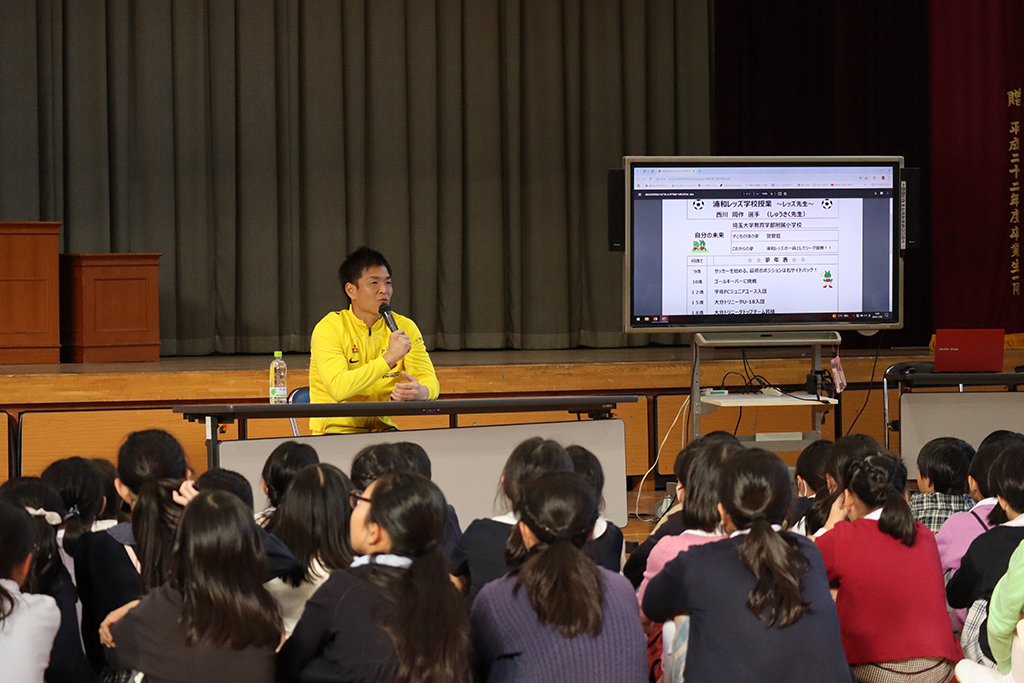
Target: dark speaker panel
<point x="912" y="177"/>
<point x="616" y="209"/>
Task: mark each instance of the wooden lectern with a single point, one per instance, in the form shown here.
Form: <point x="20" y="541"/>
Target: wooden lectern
<point x="110" y="308"/>
<point x="29" y="307"/>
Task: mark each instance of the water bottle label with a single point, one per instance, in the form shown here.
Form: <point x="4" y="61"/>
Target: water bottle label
<point x="278" y="392"/>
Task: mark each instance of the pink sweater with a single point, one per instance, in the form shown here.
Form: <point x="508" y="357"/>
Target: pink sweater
<point x="958" y="532"/>
<point x="664" y="552"/>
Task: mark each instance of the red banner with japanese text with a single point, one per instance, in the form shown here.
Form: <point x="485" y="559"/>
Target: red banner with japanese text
<point x="977" y="74"/>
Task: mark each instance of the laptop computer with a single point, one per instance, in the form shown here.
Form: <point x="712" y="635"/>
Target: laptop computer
<point x="969" y="350"/>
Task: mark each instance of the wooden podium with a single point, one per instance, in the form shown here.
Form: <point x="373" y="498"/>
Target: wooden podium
<point x="110" y="308"/>
<point x="29" y="307"/>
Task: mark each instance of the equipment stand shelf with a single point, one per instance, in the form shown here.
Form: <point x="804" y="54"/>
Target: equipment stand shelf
<point x="709" y="404"/>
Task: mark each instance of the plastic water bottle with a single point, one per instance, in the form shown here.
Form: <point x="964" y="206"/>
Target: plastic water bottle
<point x="278" y="380"/>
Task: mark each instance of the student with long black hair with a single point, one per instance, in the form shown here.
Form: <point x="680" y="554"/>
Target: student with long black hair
<point x="886" y="569"/>
<point x="759" y="602"/>
<point x="559" y="617"/>
<point x="312" y="520"/>
<point x="702" y="524"/>
<point x="28" y="623"/>
<point x="672" y="523"/>
<point x="49" y="576"/>
<point x="115" y="566"/>
<point x="212" y="620"/>
<point x="479" y="556"/>
<point x="844" y="450"/>
<point x="283" y="463"/>
<point x="811" y="480"/>
<point x="395" y="615"/>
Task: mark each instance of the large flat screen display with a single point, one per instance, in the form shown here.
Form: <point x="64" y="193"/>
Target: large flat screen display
<point x="762" y="244"/>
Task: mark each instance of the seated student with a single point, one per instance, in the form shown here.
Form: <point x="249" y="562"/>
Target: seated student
<point x="672" y="522"/>
<point x="312" y="520"/>
<point x="112" y="513"/>
<point x="480" y="556"/>
<point x="28" y="623"/>
<point x="282" y="464"/>
<point x="703" y="525"/>
<point x="558" y="616"/>
<point x="419" y="462"/>
<point x="942" y="466"/>
<point x="115" y="566"/>
<point x="80" y="487"/>
<point x="606" y="545"/>
<point x="759" y="602"/>
<point x="988" y="556"/>
<point x="811" y="480"/>
<point x="212" y="620"/>
<point x="845" y="449"/>
<point x="395" y="614"/>
<point x="1004" y="612"/>
<point x="48" y="575"/>
<point x="961" y="528"/>
<point x="885" y="567"/>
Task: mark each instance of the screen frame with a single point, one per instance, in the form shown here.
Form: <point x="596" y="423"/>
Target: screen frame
<point x="721" y="323"/>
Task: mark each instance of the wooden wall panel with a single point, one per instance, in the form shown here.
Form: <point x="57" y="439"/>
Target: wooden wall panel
<point x="50" y="436"/>
<point x="4" y="439"/>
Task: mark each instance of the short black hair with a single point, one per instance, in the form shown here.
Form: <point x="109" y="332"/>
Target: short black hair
<point x="681" y="467"/>
<point x="416" y="455"/>
<point x="376" y="460"/>
<point x="359" y="260"/>
<point x="284" y="463"/>
<point x="945" y="461"/>
<point x="1007" y="476"/>
<point x="226" y="480"/>
<point x="981" y="464"/>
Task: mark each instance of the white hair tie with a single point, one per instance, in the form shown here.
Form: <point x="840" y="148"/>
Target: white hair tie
<point x="52" y="518"/>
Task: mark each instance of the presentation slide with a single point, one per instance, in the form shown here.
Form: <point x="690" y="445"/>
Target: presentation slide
<point x="764" y="256"/>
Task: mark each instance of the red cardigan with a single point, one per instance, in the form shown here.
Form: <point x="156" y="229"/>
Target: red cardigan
<point x="891" y="601"/>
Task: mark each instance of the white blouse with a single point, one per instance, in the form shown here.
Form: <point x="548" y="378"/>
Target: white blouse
<point x="26" y="635"/>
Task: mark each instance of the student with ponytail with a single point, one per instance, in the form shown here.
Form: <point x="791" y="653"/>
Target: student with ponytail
<point x="394" y="615"/>
<point x="115" y="566"/>
<point x="211" y="619"/>
<point x="28" y="623"/>
<point x="479" y="556"/>
<point x="559" y="617"/>
<point x="761" y="592"/>
<point x="80" y="486"/>
<point x="886" y="569"/>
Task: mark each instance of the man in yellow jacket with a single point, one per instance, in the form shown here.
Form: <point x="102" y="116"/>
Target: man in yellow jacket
<point x="354" y="357"/>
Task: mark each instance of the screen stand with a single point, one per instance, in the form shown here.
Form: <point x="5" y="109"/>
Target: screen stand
<point x="743" y="339"/>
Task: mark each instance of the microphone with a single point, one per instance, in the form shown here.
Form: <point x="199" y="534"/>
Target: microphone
<point x="389" y="317"/>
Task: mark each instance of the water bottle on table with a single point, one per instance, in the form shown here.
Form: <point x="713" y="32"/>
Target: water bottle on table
<point x="278" y="380"/>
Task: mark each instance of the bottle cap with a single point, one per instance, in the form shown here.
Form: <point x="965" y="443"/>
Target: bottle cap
<point x="277" y="354"/>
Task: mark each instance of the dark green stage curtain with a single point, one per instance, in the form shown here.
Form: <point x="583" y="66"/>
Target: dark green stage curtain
<point x="254" y="143"/>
